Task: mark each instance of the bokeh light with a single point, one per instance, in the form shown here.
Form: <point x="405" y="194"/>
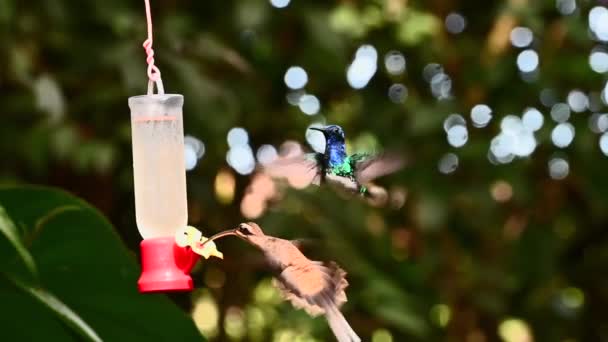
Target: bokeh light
<point x="456" y="130"/>
<point x="234" y="323"/>
<point x="309" y="104"/>
<point x="514" y="330"/>
<point x="430" y="70"/>
<point x="560" y="112"/>
<point x="481" y="115"/>
<point x="290" y="148"/>
<point x="194" y="149"/>
<point x="458" y="136"/>
<point x="532" y="119"/>
<point x="441" y="86"/>
<point x="527" y="61"/>
<point x="261" y="189"/>
<point x="394" y="62"/>
<point x="257" y="320"/>
<point x="363" y="68"/>
<point x="190" y="158"/>
<point x="455" y="23"/>
<point x="49" y="96"/>
<point x="521" y="37"/>
<point x="566" y="7"/>
<point x="266" y="154"/>
<point x="501" y="146"/>
<point x="510" y="123"/>
<point x="252" y="206"/>
<point x="562" y="135"/>
<point x="205" y="314"/>
<point x="382" y="335"/>
<point x="241" y="159"/>
<point x="515" y="139"/>
<point x="501" y="191"/>
<point x="295" y="77"/>
<point x="598" y="22"/>
<point x="559" y="168"/>
<point x="448" y="163"/>
<point x="263" y="186"/>
<point x="266" y="293"/>
<point x="503" y="159"/>
<point x="598" y="123"/>
<point x="240" y="155"/>
<point x="237" y="136"/>
<point x="453" y="120"/>
<point x="604" y="143"/>
<point x="279" y="3"/>
<point x="441" y="314"/>
<point x="578" y="101"/>
<point x="397" y="93"/>
<point x="598" y="60"/>
<point x="572" y="298"/>
<point x="525" y="144"/>
<point x="291" y="335"/>
<point x="197" y="145"/>
<point x="224" y="186"/>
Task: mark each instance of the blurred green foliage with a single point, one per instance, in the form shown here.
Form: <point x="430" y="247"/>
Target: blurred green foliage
<point x="452" y="263"/>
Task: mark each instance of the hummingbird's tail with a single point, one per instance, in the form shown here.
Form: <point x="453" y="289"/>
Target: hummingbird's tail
<point x="339" y="325"/>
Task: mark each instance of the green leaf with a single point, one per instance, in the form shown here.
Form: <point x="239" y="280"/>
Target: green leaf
<point x="62" y="310"/>
<point x="82" y="264"/>
<point x="7" y="227"/>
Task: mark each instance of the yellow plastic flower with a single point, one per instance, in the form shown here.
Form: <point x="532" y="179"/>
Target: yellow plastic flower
<point x="193" y="238"/>
<point x="209" y="250"/>
<point x="187" y="236"/>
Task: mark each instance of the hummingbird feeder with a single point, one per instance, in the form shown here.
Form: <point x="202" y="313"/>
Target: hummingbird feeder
<point x="160" y="186"/>
<point x="160" y="191"/>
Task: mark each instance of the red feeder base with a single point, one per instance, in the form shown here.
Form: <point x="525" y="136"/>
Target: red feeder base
<point x="165" y="266"/>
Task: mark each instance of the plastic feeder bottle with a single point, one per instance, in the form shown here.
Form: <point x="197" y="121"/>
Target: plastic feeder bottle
<point x="160" y="191"/>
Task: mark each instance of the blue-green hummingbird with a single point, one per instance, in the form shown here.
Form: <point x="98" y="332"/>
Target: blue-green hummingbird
<point x="334" y="166"/>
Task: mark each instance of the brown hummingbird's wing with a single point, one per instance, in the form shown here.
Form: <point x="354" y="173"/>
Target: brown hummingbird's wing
<point x="298" y="302"/>
<point x="308" y="286"/>
<point x="302" y="170"/>
<point x="370" y="168"/>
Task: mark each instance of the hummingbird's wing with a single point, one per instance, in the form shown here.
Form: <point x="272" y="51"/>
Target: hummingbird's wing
<point x="302" y="170"/>
<point x="375" y="195"/>
<point x="369" y="167"/>
<point x="311" y="284"/>
<point x="342" y="183"/>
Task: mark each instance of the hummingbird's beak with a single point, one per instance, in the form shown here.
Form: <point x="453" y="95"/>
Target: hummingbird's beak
<point x="220" y="235"/>
<point x="322" y="130"/>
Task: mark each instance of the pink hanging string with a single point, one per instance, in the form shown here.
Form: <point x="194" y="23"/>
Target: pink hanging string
<point x="153" y="71"/>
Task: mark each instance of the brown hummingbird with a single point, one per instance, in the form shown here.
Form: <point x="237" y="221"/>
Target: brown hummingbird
<point x="316" y="287"/>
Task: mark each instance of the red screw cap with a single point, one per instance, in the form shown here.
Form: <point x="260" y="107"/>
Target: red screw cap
<point x="165" y="266"/>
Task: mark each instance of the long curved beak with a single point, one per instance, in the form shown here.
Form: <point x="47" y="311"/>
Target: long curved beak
<point x="220" y="235"/>
<point x="318" y="129"/>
